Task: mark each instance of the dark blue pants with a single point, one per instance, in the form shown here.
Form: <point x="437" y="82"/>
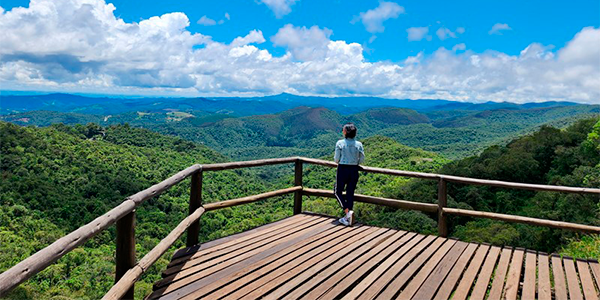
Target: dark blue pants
<point x="346" y="178"/>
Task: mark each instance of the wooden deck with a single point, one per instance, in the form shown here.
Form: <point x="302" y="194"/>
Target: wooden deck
<point x="313" y="257"/>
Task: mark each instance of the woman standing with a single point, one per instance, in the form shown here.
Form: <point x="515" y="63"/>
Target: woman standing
<point x="349" y="153"/>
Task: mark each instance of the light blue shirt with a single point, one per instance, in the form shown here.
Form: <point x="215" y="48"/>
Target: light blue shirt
<point x="349" y="152"/>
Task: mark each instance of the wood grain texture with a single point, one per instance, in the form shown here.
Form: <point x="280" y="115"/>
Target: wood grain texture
<point x="500" y="275"/>
<point x="464" y="287"/>
<point x="451" y="280"/>
<point x="280" y="262"/>
<point x="404" y="277"/>
<point x="511" y="288"/>
<point x="587" y="283"/>
<point x="193" y="273"/>
<point x="528" y="291"/>
<point x="465" y="180"/>
<point x="388" y="261"/>
<point x="544" y="287"/>
<point x="209" y="275"/>
<point x="334" y="286"/>
<point x="523" y="220"/>
<point x="560" y="284"/>
<point x="485" y="274"/>
<point x="125" y="250"/>
<point x="436" y="276"/>
<point x="572" y="279"/>
<point x="281" y="273"/>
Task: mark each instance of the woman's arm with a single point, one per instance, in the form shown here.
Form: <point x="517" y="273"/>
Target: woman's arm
<point x="338" y="154"/>
<point x="361" y="154"/>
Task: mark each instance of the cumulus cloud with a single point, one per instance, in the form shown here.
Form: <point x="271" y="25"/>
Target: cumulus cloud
<point x="498" y="28"/>
<point x="418" y="33"/>
<point x="206" y="21"/>
<point x="373" y="19"/>
<point x="459" y="47"/>
<point x="279" y="7"/>
<point x="255" y="36"/>
<point x="303" y="43"/>
<point x="445" y="33"/>
<point x="71" y="45"/>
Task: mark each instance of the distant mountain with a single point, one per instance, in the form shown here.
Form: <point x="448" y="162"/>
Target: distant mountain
<point x="240" y="106"/>
<point x="498" y="105"/>
<point x="47" y="118"/>
<point x="111" y="106"/>
<point x="235" y="127"/>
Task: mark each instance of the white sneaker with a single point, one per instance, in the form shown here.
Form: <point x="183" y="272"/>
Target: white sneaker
<point x="350" y="217"/>
<point x="344" y="221"/>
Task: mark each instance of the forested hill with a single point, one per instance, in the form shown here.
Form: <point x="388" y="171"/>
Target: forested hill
<point x="285" y="125"/>
<point x="56" y="179"/>
<point x="569" y="157"/>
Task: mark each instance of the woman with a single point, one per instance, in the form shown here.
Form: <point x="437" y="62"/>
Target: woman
<point x="348" y="154"/>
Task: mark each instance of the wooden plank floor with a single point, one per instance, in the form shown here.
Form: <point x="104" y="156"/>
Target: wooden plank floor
<point x="309" y="256"/>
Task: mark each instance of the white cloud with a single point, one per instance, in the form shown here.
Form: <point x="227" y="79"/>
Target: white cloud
<point x="279" y="7"/>
<point x="303" y="43"/>
<point x="445" y="33"/>
<point x="68" y="45"/>
<point x="418" y="33"/>
<point x="498" y="28"/>
<point x="459" y="47"/>
<point x="373" y="19"/>
<point x="206" y="21"/>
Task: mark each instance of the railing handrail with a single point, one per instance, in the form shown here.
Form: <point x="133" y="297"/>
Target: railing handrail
<point x="43" y="258"/>
<point x="465" y="180"/>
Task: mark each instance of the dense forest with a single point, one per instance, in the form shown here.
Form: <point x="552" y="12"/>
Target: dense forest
<point x="287" y="125"/>
<point x="57" y="178"/>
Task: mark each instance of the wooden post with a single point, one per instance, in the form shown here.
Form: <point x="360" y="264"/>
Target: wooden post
<point x="195" y="202"/>
<point x="442" y="202"/>
<point x="298" y="182"/>
<point x="125" y="256"/>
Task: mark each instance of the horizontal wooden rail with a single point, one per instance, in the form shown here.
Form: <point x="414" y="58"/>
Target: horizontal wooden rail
<point x="250" y="199"/>
<point x="521" y="219"/>
<point x="373" y="169"/>
<point x="134" y="274"/>
<point x="45" y="257"/>
<point x="249" y="163"/>
<point x="426" y="207"/>
<point x="465" y="180"/>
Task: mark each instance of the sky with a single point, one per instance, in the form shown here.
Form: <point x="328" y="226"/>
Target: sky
<point x="476" y="51"/>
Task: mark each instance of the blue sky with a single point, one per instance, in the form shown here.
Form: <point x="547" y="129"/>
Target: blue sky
<point x="373" y="39"/>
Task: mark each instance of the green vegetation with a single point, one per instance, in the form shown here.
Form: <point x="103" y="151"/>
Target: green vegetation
<point x="568" y="157"/>
<point x="309" y="131"/>
<point x="57" y="179"/>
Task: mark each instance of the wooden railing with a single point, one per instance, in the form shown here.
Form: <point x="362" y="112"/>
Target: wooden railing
<point x="128" y="271"/>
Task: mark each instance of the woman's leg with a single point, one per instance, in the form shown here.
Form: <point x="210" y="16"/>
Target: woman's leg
<point x="340" y="181"/>
<point x="351" y="186"/>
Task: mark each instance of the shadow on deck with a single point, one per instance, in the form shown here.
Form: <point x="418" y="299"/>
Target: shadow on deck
<point x="310" y="256"/>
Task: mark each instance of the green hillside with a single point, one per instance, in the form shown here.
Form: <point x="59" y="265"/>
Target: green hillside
<point x="568" y="157"/>
<point x="454" y="133"/>
<point x="58" y="178"/>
